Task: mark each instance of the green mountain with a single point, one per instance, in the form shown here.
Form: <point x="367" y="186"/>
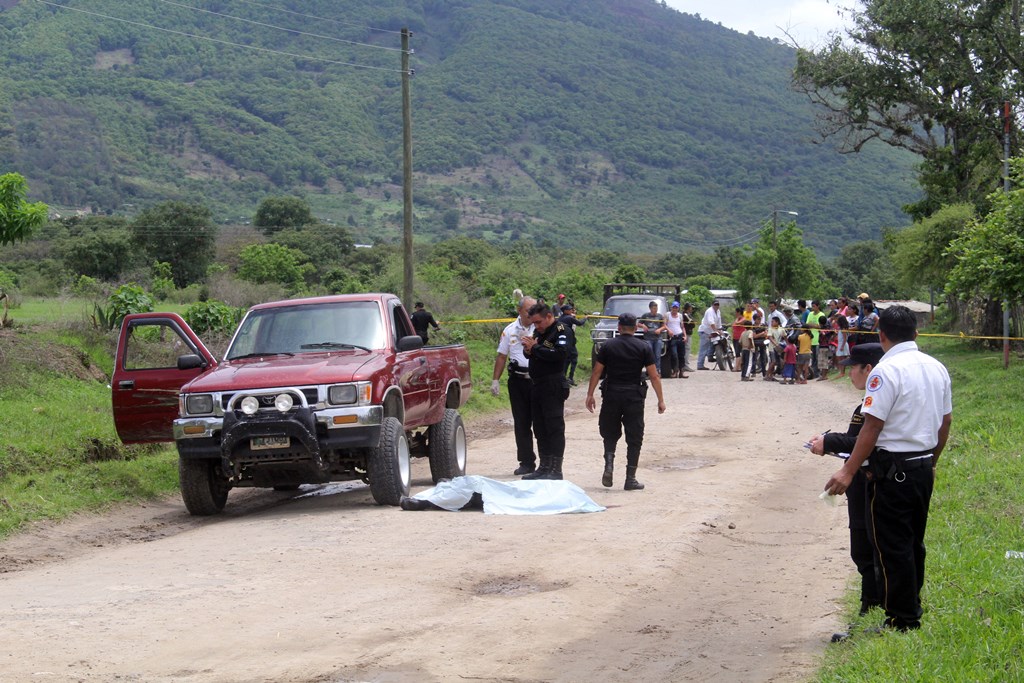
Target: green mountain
<point x="618" y="124"/>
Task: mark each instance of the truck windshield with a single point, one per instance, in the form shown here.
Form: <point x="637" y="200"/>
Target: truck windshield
<point x="309" y="328"/>
<point x="638" y="307"/>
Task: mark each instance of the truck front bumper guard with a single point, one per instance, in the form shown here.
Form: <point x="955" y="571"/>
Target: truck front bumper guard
<point x="329" y="418"/>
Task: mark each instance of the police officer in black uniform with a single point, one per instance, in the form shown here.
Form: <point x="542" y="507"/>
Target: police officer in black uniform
<point x="862" y="360"/>
<point x="422" y="319"/>
<point x="621" y="362"/>
<point x="548" y="351"/>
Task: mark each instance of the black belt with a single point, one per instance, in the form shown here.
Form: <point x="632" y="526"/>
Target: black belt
<point x="905" y="455"/>
<point x="516" y="373"/>
<point x="888" y="465"/>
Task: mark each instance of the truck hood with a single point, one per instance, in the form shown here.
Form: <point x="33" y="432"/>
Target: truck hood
<point x="277" y="371"/>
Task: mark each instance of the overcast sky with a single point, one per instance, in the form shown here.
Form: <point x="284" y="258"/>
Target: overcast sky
<point x="807" y="20"/>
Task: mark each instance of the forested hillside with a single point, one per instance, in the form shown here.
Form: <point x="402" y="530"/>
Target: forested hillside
<point x="594" y="123"/>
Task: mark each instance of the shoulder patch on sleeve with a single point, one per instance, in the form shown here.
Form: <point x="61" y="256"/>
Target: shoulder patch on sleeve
<point x="867" y="402"/>
<point x="874" y="383"/>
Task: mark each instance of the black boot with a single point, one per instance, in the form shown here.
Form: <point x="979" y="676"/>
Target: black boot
<point x="609" y="468"/>
<point x="541" y="471"/>
<point x="554" y="469"/>
<point x="631" y="483"/>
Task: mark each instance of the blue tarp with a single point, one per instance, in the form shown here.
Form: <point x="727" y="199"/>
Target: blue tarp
<point x="537" y="497"/>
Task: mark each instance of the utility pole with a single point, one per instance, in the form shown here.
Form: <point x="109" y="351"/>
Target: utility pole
<point x="775" y="245"/>
<point x="1006" y="188"/>
<point x="407" y="270"/>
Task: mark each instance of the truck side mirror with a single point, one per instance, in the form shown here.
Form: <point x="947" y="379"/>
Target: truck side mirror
<point x="190" y="362"/>
<point x="410" y="343"/>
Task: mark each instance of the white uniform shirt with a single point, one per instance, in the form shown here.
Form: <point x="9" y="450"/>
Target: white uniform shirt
<point x="511" y="344"/>
<point x="911" y="392"/>
<point x="711" y="317"/>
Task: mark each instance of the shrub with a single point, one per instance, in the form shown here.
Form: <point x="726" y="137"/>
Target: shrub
<point x="129" y="298"/>
<point x="212" y="316"/>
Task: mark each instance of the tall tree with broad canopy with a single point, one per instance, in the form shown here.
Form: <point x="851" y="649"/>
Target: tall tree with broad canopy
<point x="180" y="234"/>
<point x="797" y="269"/>
<point x="18" y="216"/>
<point x="924" y="76"/>
<point x="988" y="252"/>
<point x="282" y="213"/>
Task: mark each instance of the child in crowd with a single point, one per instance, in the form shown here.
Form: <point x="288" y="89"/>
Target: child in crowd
<point x="826" y="342"/>
<point x="842" y="327"/>
<point x="789" y="369"/>
<point x="803" y="355"/>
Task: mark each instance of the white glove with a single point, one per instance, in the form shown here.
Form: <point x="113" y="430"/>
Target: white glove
<point x="495" y="387"/>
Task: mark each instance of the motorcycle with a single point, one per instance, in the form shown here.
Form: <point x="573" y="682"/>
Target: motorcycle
<point x="720" y="351"/>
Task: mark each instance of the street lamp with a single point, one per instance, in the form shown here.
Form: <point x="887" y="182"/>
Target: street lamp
<point x="775" y="234"/>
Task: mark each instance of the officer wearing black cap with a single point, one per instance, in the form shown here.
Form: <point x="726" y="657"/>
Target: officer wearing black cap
<point x="862" y="361"/>
<point x="548" y="351"/>
<point x="620" y="363"/>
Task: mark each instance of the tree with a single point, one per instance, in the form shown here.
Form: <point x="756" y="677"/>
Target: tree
<point x="923" y="76"/>
<point x="18" y="217"/>
<point x="920" y="252"/>
<point x="797" y="269"/>
<point x="102" y="249"/>
<point x="865" y="267"/>
<point x="988" y="252"/>
<point x="629" y="272"/>
<point x="273" y="263"/>
<point x="325" y="245"/>
<point x="180" y="234"/>
<point x="281" y="213"/>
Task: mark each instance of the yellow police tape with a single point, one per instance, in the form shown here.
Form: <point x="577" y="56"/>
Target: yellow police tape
<point x="959" y="335"/>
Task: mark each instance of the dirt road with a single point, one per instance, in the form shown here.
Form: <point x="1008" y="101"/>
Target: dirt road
<point x="726" y="568"/>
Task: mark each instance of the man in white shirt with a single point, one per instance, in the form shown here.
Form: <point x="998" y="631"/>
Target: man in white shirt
<point x="712" y="322"/>
<point x="510" y="349"/>
<point x="907" y="410"/>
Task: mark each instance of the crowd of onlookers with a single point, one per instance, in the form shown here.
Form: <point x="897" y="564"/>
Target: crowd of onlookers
<point x="794" y="344"/>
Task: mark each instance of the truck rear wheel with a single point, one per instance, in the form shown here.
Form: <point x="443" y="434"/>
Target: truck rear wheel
<point x="447" y="444"/>
<point x="203" y="488"/>
<point x="389" y="466"/>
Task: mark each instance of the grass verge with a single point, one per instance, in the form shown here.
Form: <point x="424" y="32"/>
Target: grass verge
<point x="973" y="626"/>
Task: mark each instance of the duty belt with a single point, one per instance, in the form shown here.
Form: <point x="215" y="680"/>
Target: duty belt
<point x="519" y="373"/>
<point x="894" y="466"/>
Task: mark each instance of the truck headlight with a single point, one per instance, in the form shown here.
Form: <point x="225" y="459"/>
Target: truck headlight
<point x="250" y="405"/>
<point x="284" y="402"/>
<point x="199" y="404"/>
<point x="348" y="394"/>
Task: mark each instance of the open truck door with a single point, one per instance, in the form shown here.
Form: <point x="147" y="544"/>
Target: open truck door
<point x="157" y="354"/>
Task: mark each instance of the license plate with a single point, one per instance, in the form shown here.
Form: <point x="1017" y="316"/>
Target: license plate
<point x="262" y="443"/>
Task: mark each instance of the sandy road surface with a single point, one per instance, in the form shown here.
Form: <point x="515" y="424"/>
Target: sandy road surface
<point x="726" y="568"/>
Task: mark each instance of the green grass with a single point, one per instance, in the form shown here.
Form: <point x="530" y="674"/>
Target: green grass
<point x="973" y="626"/>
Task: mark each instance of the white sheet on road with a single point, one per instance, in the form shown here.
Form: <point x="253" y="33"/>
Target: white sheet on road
<point x="538" y="497"/>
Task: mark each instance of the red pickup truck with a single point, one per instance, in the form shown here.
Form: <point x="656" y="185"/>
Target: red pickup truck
<point x="309" y="391"/>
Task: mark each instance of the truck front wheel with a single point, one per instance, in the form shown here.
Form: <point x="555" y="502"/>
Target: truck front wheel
<point x="447" y="443"/>
<point x="203" y="488"/>
<point x="389" y="465"/>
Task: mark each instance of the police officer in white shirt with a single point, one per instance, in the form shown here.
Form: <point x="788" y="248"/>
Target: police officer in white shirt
<point x="510" y="349"/>
<point x="712" y="322"/>
<point x="907" y="412"/>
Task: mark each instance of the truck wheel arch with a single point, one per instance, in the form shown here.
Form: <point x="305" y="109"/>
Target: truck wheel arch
<point x="453" y="394"/>
<point x="394" y="405"/>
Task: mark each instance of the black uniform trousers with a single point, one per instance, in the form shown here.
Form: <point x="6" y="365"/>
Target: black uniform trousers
<point x="898" y="515"/>
<point x="622" y="406"/>
<point x="522" y="416"/>
<point x="861" y="551"/>
<point x="547" y="400"/>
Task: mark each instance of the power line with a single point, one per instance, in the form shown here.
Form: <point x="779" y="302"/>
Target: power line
<point x="222" y="42"/>
<point x="280" y="28"/>
<point x="310" y="16"/>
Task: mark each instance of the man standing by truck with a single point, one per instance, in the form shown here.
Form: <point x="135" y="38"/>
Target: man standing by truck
<point x="510" y="351"/>
<point x="547" y="350"/>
